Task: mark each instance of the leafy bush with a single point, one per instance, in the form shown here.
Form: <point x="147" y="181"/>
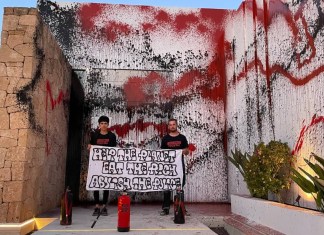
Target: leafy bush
<point x="267" y="169"/>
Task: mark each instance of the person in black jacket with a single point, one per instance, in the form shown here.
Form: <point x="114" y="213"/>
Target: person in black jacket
<point x="102" y="137"/>
<point x="173" y="140"/>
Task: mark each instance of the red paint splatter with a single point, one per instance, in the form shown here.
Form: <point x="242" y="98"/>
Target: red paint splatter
<point x="139" y="90"/>
<point x="192" y="147"/>
<point x="184" y="21"/>
<point x="53" y="102"/>
<point x="148" y="27"/>
<point x="87" y="13"/>
<point x="139" y="126"/>
<point x="300" y="141"/>
<point x="162" y="17"/>
<point x="113" y="29"/>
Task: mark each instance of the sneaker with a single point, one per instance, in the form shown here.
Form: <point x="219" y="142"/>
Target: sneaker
<point x="96" y="211"/>
<point x="104" y="211"/>
<point x="164" y="212"/>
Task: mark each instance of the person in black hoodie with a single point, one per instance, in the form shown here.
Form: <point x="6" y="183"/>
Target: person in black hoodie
<point x="102" y="137"/>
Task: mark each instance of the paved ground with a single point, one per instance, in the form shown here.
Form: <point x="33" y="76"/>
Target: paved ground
<point x="145" y="219"/>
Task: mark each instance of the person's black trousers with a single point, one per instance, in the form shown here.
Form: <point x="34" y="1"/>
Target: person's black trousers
<point x="105" y="197"/>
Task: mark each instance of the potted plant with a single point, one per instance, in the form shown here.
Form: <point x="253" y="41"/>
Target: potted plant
<point x="267" y="169"/>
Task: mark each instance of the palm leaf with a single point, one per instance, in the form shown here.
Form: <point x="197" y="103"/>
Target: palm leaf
<point x="303" y="182"/>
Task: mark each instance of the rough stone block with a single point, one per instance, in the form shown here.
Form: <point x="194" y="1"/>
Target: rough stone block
<point x="27" y="49"/>
<point x="7" y="164"/>
<point x="13" y="81"/>
<point x="4" y="212"/>
<point x="13" y="109"/>
<point x="14" y="212"/>
<point x="14" y="64"/>
<point x="4" y="117"/>
<point x="10" y="22"/>
<point x="30" y="34"/>
<point x="3" y="70"/>
<point x="29" y="67"/>
<point x="7" y="142"/>
<point x="22" y="137"/>
<point x="29" y="190"/>
<point x="28" y="209"/>
<point x="13" y="134"/>
<point x="4" y="37"/>
<point x="12" y="191"/>
<point x="5" y="174"/>
<point x="11" y="100"/>
<point x="3" y="95"/>
<point x="4" y="82"/>
<point x="17" y="154"/>
<point x="22" y="83"/>
<point x="31" y="20"/>
<point x="14" y="40"/>
<point x="16" y="32"/>
<point x="3" y="152"/>
<point x="19" y="120"/>
<point x="9" y="55"/>
<point x="21" y="11"/>
<point x="15" y="71"/>
<point x="22" y="27"/>
<point x="33" y="11"/>
<point x="19" y="171"/>
<point x="8" y="11"/>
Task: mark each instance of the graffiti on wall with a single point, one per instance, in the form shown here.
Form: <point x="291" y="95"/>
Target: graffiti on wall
<point x="142" y="65"/>
<point x="260" y="66"/>
<point x="275" y="77"/>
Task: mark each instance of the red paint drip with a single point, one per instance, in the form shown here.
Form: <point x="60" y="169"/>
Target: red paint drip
<point x="139" y="126"/>
<point x="54" y="103"/>
<point x="300" y="141"/>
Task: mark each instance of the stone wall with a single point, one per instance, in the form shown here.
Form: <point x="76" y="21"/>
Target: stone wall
<point x="35" y="83"/>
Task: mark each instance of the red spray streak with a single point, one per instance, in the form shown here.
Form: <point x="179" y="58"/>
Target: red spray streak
<point x="53" y="103"/>
<point x="139" y="126"/>
<point x="300" y="141"/>
<point x="88" y="12"/>
<point x="291" y="21"/>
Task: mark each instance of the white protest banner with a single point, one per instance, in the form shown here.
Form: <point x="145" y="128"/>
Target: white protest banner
<point x="134" y="169"/>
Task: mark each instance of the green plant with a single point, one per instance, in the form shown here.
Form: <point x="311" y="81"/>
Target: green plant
<point x="313" y="185"/>
<point x="267" y="169"/>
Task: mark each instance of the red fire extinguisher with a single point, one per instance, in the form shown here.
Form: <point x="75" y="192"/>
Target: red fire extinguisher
<point x="66" y="207"/>
<point x="123" y="213"/>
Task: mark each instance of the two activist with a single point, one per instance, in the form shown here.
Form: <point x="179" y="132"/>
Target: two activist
<point x="173" y="140"/>
<point x="102" y="137"/>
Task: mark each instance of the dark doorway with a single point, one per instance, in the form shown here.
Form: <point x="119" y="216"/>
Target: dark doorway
<point x="73" y="162"/>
